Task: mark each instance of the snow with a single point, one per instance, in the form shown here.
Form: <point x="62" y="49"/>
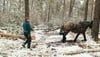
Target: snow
<point x="49" y="46"/>
<point x="53" y="38"/>
<point x="97" y="54"/>
<point x="3" y="31"/>
<point x="81" y="55"/>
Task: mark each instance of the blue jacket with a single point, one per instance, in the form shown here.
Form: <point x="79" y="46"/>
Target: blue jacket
<point x="27" y="27"/>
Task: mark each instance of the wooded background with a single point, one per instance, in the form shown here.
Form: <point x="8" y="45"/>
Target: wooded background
<point x="54" y="12"/>
<point x="49" y="12"/>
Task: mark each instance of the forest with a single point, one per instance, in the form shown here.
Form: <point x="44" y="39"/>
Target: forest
<point x="61" y="28"/>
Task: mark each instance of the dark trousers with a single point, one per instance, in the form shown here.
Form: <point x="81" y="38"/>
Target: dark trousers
<point x="28" y="39"/>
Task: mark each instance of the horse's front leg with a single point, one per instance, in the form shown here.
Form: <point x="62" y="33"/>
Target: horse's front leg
<point x="84" y="37"/>
<point x="64" y="36"/>
<point x="76" y="37"/>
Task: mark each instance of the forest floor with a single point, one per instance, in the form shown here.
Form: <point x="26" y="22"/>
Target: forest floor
<point x="49" y="45"/>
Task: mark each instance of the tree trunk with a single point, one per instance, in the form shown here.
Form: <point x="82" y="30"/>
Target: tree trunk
<point x="63" y="15"/>
<point x="95" y="29"/>
<point x="86" y="10"/>
<point x="41" y="3"/>
<point x="49" y="11"/>
<point x="72" y="2"/>
<point x="56" y="9"/>
<point x="26" y="8"/>
<point x="53" y="7"/>
<point x="19" y="8"/>
<point x="64" y="5"/>
<point x="3" y="6"/>
<point x="92" y="9"/>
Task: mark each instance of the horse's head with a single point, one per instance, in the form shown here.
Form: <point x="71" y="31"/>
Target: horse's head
<point x="90" y="24"/>
<point x="86" y="24"/>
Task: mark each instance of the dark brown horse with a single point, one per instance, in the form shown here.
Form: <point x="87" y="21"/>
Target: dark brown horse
<point x="79" y="28"/>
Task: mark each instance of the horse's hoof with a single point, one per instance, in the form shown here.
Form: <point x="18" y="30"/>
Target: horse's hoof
<point x="61" y="33"/>
<point x="84" y="40"/>
<point x="74" y="40"/>
<point x="63" y="41"/>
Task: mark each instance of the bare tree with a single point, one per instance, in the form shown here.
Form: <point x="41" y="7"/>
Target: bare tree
<point x="92" y="9"/>
<point x="64" y="5"/>
<point x="3" y="6"/>
<point x="72" y="2"/>
<point x="86" y="10"/>
<point x="96" y="22"/>
<point x="63" y="9"/>
<point x="27" y="8"/>
<point x="49" y="10"/>
<point x="56" y="8"/>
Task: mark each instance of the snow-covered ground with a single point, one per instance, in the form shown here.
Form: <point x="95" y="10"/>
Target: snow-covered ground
<point x="49" y="45"/>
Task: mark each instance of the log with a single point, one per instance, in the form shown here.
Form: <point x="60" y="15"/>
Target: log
<point x="83" y="51"/>
<point x="16" y="36"/>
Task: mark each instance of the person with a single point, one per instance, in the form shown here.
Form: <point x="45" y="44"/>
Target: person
<point x="27" y="33"/>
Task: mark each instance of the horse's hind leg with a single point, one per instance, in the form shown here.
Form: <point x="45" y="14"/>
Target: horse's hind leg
<point x="84" y="37"/>
<point x="76" y="37"/>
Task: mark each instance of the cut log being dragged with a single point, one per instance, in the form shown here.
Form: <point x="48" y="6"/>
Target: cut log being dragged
<point x="16" y="36"/>
<point x="82" y="51"/>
